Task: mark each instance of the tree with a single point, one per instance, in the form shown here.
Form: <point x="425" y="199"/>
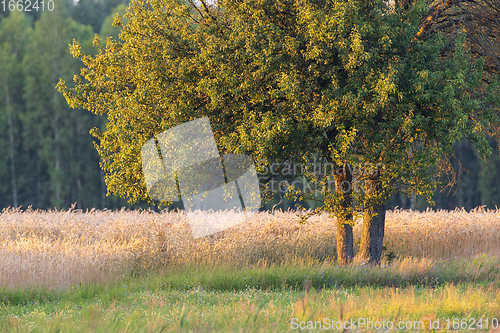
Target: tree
<point x="61" y="152"/>
<point x="287" y="82"/>
<point x="94" y="12"/>
<point x="181" y="36"/>
<point x="454" y="92"/>
<point x="14" y="32"/>
<point x="107" y="28"/>
<point x="479" y="20"/>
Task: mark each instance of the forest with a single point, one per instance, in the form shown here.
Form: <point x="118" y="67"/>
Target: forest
<point x="48" y="158"/>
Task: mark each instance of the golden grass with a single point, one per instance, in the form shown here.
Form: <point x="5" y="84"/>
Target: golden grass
<point x="443" y="234"/>
<point x="57" y="249"/>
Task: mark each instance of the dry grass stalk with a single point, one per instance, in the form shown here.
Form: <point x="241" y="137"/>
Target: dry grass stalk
<point x="57" y="249"/>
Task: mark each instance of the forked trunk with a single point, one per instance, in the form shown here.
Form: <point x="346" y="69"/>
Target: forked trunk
<point x="372" y="236"/>
<point x="343" y="184"/>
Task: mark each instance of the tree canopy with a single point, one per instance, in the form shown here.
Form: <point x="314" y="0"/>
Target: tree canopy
<point x="289" y="81"/>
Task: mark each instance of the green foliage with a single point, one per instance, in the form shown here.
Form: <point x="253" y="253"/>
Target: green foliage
<point x="289" y="81"/>
<point x="490" y="179"/>
<point x="94" y="13"/>
<point x="108" y="29"/>
<point x="33" y="59"/>
<point x="35" y="178"/>
<point x="14" y="34"/>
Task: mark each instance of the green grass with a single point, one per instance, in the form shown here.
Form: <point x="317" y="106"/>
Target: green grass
<point x="262" y="299"/>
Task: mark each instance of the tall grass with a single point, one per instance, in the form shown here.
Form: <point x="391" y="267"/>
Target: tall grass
<point x="135" y="309"/>
<point x="443" y="234"/>
<point x="57" y="249"/>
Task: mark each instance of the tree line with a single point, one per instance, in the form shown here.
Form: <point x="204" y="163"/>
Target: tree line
<point x="48" y="159"/>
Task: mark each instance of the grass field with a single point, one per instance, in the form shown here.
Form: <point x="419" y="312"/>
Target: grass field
<point x="128" y="271"/>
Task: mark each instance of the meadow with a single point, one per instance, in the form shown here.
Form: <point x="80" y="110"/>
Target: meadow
<point x="128" y="271"/>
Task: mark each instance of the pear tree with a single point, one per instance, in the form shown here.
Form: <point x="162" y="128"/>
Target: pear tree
<point x="285" y="82"/>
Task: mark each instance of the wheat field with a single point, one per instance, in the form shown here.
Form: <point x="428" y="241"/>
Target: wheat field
<point x="58" y="249"/>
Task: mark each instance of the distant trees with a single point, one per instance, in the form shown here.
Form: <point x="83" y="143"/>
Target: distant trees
<point x="94" y="13"/>
<point x="47" y="158"/>
<point x="56" y="134"/>
<point x="107" y="28"/>
<point x="14" y="36"/>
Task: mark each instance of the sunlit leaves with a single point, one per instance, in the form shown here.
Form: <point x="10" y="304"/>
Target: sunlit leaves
<point x="282" y="81"/>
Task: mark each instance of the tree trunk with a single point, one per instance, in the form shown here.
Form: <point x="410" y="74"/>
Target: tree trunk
<point x="79" y="167"/>
<point x="343" y="184"/>
<point x="58" y="202"/>
<point x="57" y="164"/>
<point x="103" y="189"/>
<point x="11" y="146"/>
<point x="372" y="236"/>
